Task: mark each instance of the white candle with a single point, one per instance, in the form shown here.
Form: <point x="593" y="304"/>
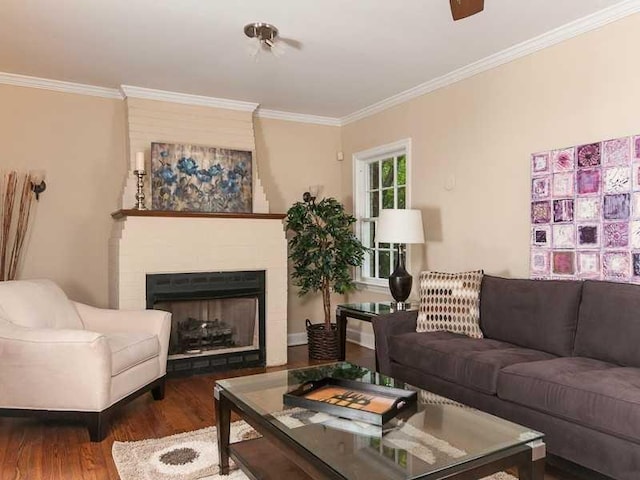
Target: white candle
<point x="140" y="161"/>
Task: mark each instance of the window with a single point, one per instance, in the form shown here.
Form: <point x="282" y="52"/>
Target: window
<point x="381" y="177"/>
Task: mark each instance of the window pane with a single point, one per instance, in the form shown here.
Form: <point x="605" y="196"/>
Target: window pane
<point x="374" y="204"/>
<point x="387" y="173"/>
<point x="402" y="170"/>
<point x="401" y="197"/>
<point x="387" y="198"/>
<point x="384" y="268"/>
<point x="374" y="170"/>
<point x="369" y="264"/>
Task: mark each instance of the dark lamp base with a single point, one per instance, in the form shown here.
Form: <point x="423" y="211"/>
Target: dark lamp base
<point x="400" y="281"/>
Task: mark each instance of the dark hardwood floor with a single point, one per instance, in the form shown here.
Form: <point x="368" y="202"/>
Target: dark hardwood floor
<point x="33" y="449"/>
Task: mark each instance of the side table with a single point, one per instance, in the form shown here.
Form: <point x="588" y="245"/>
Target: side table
<point x="360" y="311"/>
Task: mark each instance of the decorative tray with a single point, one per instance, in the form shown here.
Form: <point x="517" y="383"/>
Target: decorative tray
<point x="374" y="404"/>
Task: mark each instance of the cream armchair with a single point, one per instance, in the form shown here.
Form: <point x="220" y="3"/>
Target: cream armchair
<point x="64" y="359"/>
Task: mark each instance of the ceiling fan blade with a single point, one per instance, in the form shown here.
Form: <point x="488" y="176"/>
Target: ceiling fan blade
<point x="465" y="8"/>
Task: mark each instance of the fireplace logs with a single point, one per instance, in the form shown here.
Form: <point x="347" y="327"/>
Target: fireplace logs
<point x="196" y="335"/>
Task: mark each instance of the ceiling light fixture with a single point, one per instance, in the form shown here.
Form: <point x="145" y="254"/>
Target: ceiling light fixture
<point x="263" y="37"/>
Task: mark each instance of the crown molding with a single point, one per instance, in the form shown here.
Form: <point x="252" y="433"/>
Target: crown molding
<point x="298" y="117"/>
<point x="129" y="91"/>
<point x="548" y="39"/>
<point x="58" y="85"/>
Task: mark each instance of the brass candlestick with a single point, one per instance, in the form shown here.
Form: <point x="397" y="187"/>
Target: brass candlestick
<point x="140" y="193"/>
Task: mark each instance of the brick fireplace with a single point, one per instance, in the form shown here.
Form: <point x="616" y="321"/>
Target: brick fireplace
<point x="145" y="244"/>
<point x="152" y="242"/>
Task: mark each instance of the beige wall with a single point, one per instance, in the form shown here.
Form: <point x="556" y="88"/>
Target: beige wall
<point x="79" y="141"/>
<point x="291" y="157"/>
<point x="482" y="131"/>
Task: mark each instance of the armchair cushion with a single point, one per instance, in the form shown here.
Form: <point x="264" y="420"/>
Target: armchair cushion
<point x="131" y="349"/>
<point x="37" y="304"/>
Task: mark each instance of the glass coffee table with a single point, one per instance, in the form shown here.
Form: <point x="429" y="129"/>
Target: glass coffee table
<point x="438" y="439"/>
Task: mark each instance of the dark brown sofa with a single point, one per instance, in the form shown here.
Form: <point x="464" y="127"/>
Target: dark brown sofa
<point x="561" y="357"/>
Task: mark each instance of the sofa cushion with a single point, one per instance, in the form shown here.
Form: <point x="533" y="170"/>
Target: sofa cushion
<point x="538" y="314"/>
<point x="592" y="393"/>
<point x="450" y="302"/>
<point x="471" y="362"/>
<point x="609" y="323"/>
<point x="131" y="349"/>
<point x="37" y="304"/>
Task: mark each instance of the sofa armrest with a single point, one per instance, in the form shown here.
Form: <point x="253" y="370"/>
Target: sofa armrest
<point x="385" y="326"/>
<point x="54" y="369"/>
<point x="104" y="320"/>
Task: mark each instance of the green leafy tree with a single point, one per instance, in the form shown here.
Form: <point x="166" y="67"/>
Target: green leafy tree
<point x="323" y="249"/>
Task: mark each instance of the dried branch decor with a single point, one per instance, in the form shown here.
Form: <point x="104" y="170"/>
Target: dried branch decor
<point x="17" y="197"/>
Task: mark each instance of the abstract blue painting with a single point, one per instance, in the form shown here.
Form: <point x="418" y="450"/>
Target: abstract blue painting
<point x="200" y="179"/>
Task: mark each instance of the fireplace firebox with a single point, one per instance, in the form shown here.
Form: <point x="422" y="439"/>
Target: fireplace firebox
<point x="218" y="319"/>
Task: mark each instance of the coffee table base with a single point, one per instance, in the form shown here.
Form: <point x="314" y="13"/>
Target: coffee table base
<point x="259" y="460"/>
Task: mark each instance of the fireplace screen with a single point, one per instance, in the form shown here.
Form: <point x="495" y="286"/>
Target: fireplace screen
<point x="198" y="326"/>
<point x="217" y="318"/>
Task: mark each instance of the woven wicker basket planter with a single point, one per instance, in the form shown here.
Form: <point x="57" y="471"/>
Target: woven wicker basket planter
<point x="323" y="344"/>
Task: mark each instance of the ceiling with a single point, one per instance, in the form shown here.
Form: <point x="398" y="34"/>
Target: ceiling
<point x="353" y="53"/>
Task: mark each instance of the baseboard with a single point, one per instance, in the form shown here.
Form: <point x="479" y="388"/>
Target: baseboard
<point x="294" y="339"/>
<point x="364" y="339"/>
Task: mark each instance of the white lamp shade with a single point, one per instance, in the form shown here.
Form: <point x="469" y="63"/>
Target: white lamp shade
<point x="400" y="226"/>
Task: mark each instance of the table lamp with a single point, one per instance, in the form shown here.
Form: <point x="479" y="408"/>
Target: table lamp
<point x="400" y="226"/>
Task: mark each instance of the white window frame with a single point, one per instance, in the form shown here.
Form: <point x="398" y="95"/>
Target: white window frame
<point x="360" y="162"/>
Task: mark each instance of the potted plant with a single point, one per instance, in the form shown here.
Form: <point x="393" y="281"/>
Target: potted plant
<point x="323" y="249"/>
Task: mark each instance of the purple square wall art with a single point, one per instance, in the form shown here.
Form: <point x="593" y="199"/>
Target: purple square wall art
<point x="563" y="185"/>
<point x="540" y="212"/>
<point x="588" y="236"/>
<point x="588" y="264"/>
<point x="540" y="262"/>
<point x="589" y="155"/>
<point x="634" y="235"/>
<point x="617" y="151"/>
<point x="585" y="211"/>
<point x="587" y="208"/>
<point x="617" y="180"/>
<point x="616" y="235"/>
<point x="563" y="160"/>
<point x="636" y="264"/>
<point x="540" y="163"/>
<point x="617" y="207"/>
<point x="635" y="176"/>
<point x="541" y="235"/>
<point x="589" y="181"/>
<point x="563" y="210"/>
<point x="616" y="265"/>
<point x="541" y="188"/>
<point x="563" y="263"/>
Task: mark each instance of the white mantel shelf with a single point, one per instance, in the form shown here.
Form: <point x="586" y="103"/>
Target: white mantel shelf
<point x="124" y="213"/>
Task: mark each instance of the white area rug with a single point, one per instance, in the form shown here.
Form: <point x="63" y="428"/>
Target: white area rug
<point x="194" y="455"/>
